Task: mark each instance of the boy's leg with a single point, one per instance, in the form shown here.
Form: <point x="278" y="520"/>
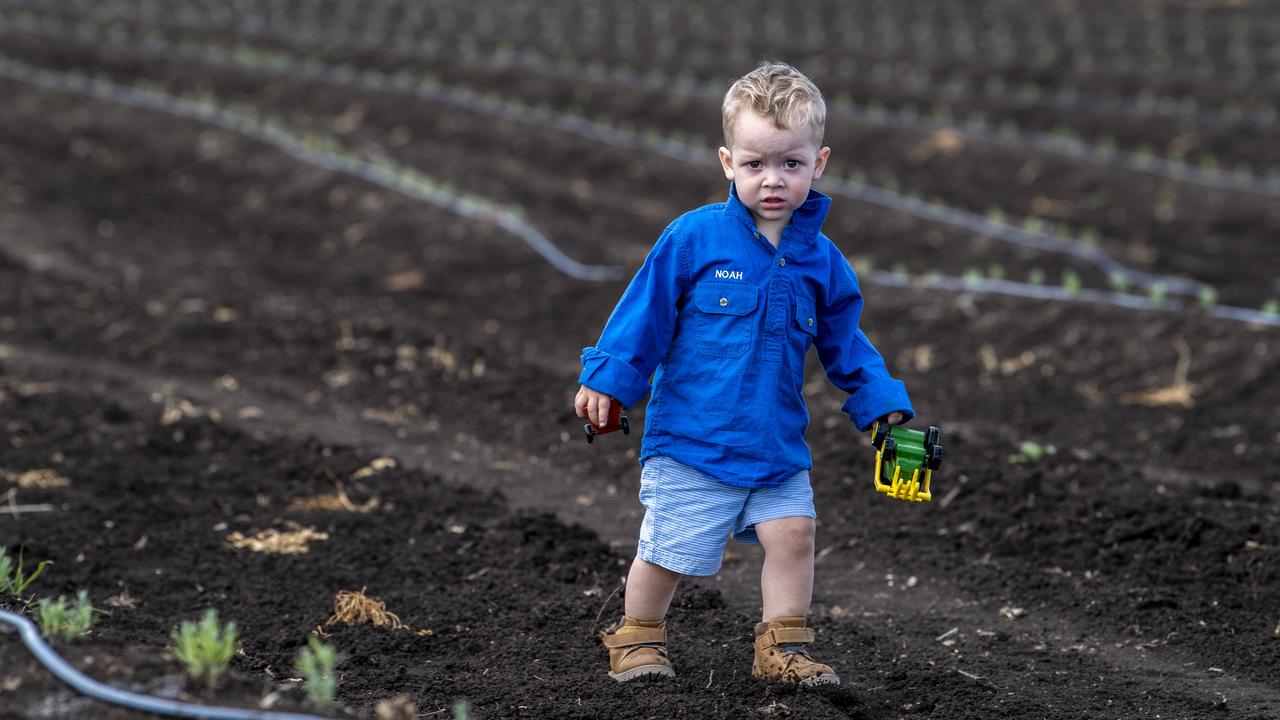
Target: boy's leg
<point x="786" y="580"/>
<point x="687" y="520"/>
<point x="786" y="586"/>
<point x="638" y="646"/>
<point x="649" y="590"/>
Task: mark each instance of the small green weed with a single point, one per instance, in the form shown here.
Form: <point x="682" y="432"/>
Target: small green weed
<point x="1071" y="282"/>
<point x="1208" y="297"/>
<point x="1031" y="452"/>
<point x="1119" y="281"/>
<point x="316" y="663"/>
<point x="62" y="620"/>
<point x="205" y="647"/>
<point x="461" y="710"/>
<point x="12" y="581"/>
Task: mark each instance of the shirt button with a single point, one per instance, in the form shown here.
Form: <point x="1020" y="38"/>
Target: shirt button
<point x="724" y="301"/>
<point x="810" y="322"/>
<point x="782" y="262"/>
<point x="756" y="234"/>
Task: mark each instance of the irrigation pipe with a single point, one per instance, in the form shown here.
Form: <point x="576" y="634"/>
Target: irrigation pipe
<point x="1012" y="288"/>
<point x="418" y="187"/>
<point x="375" y="80"/>
<point x="411" y="184"/>
<point x="1064" y="146"/>
<point x="86" y="685"/>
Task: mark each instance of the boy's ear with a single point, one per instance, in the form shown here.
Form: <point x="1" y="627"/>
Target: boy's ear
<point x="820" y="164"/>
<point x="726" y="162"/>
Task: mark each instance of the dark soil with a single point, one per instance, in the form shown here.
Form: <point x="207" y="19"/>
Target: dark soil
<point x="197" y="331"/>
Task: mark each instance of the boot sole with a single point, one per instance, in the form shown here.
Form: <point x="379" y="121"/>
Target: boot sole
<point x="814" y="681"/>
<point x="644" y="672"/>
<point x="820" y="680"/>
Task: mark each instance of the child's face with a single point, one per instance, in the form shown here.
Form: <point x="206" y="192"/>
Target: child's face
<point x="772" y="168"/>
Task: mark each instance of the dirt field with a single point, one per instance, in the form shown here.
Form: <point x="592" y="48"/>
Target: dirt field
<point x="203" y="333"/>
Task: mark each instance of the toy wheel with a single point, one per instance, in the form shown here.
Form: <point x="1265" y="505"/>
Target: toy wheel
<point x="932" y="437"/>
<point x="935" y="457"/>
<point x="590" y="432"/>
<point x="882" y="432"/>
<point x="625" y="424"/>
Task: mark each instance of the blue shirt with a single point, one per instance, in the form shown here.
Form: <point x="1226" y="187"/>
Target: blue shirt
<point x="723" y="321"/>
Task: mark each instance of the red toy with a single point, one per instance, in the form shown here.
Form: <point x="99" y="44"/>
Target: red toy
<point x="617" y="421"/>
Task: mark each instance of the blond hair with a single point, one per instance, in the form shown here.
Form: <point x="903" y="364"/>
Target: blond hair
<point x="779" y="92"/>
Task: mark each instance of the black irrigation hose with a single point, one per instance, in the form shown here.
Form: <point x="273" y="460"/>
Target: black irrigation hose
<point x="86" y="685"/>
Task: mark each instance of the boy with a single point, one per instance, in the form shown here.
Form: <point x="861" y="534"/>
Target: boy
<point x="722" y="313"/>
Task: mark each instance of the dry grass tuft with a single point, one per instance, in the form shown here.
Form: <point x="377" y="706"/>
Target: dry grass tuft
<point x="290" y="542"/>
<point x="354" y="608"/>
<point x="1180" y="393"/>
<point x="375" y="467"/>
<point x="45" y="478"/>
<point x="335" y="501"/>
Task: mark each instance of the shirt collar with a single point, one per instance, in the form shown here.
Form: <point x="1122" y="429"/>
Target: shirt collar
<point x="805" y="223"/>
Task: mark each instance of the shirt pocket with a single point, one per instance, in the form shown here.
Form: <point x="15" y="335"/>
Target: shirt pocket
<point x="726" y="318"/>
<point x="806" y="322"/>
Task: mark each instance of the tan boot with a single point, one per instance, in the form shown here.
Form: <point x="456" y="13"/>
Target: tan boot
<point x="638" y="651"/>
<point x="781" y="655"/>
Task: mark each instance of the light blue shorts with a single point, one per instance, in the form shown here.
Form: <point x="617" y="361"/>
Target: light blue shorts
<point x="689" y="515"/>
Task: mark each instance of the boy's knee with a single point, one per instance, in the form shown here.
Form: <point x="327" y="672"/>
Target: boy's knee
<point x="789" y="536"/>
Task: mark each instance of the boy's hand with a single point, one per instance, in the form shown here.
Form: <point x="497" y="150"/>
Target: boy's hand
<point x="592" y="405"/>
<point x="892" y="418"/>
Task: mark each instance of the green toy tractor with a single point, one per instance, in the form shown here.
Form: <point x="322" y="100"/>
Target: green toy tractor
<point x="905" y="461"/>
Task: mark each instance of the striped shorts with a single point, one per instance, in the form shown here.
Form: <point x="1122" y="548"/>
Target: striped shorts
<point x="689" y="516"/>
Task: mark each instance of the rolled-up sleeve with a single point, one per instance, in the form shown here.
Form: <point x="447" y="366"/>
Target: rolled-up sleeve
<point x="636" y="337"/>
<point x="852" y="363"/>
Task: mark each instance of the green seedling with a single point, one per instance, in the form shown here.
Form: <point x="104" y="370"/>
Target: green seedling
<point x="1166" y="202"/>
<point x="1271" y="307"/>
<point x="1119" y="281"/>
<point x="62" y="620"/>
<point x="205" y="647"/>
<point x="12" y="581"/>
<point x="1035" y="276"/>
<point x="1208" y="297"/>
<point x="461" y="710"/>
<point x="1030" y="452"/>
<point x="1157" y="291"/>
<point x="1071" y="282"/>
<point x="316" y="663"/>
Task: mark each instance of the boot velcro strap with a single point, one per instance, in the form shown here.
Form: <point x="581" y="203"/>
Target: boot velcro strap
<point x="642" y="636"/>
<point x="780" y="636"/>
